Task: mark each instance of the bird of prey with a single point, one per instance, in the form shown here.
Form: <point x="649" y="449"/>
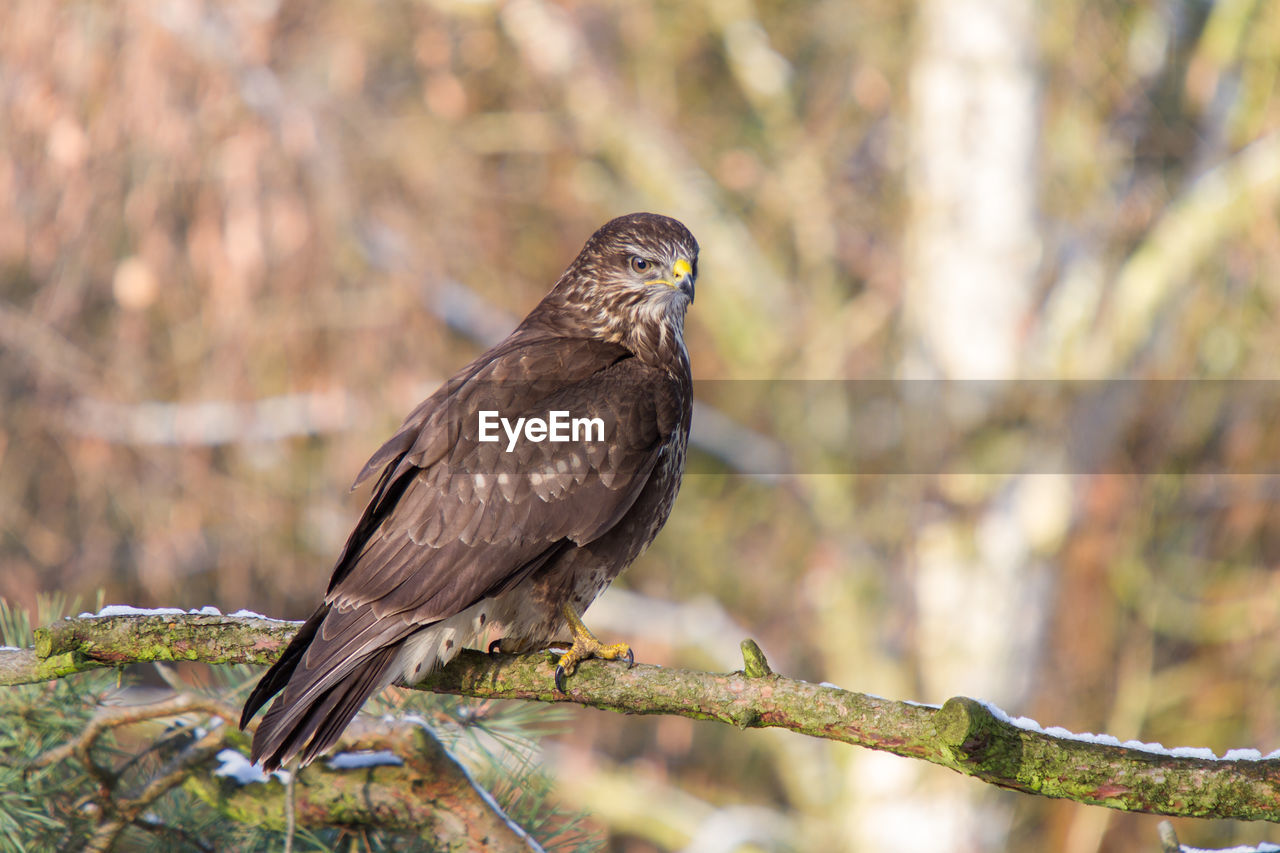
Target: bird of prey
<point x="465" y="533"/>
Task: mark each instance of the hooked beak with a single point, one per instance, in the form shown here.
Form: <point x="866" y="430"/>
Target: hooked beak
<point x="682" y="277"/>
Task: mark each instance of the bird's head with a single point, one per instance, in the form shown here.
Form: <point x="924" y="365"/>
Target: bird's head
<point x="633" y="280"/>
<point x="645" y="254"/>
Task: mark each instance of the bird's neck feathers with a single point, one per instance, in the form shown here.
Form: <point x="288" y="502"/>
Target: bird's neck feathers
<point x="652" y="328"/>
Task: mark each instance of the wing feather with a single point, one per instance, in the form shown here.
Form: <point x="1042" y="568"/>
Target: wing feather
<point x="447" y="534"/>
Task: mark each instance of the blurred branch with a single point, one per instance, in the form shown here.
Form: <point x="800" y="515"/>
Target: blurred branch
<point x="1169" y="843"/>
<point x="965" y="735"/>
<point x="1220" y="202"/>
<point x="45" y="350"/>
<point x="213" y="422"/>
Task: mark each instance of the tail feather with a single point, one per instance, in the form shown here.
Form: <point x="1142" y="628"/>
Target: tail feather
<point x="359" y="687"/>
<point x="274" y="680"/>
<point x="315" y="704"/>
<point x="311" y="727"/>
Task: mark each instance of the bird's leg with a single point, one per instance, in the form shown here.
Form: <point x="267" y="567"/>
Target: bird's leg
<point x="584" y="646"/>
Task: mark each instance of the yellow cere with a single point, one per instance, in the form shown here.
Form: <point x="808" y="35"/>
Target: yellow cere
<point x="681" y="269"/>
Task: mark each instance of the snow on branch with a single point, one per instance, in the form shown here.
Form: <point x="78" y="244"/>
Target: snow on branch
<point x="970" y="737"/>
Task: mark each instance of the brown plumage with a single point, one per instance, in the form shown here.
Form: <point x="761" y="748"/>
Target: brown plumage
<point x="462" y="535"/>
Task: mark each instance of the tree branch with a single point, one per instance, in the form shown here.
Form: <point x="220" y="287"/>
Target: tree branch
<point x="965" y="735"/>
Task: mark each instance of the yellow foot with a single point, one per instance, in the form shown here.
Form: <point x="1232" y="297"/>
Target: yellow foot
<point x="584" y="646"/>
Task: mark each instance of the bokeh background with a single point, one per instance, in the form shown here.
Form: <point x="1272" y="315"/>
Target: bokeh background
<point x="240" y="239"/>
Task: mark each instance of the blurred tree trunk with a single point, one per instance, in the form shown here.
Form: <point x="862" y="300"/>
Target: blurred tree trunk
<point x="971" y="258"/>
<point x="972" y="243"/>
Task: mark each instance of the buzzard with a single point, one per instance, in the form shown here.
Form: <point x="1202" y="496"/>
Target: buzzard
<point x="465" y="533"/>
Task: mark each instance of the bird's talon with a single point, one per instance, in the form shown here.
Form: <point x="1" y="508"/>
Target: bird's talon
<point x="585" y="646"/>
<point x="495" y="646"/>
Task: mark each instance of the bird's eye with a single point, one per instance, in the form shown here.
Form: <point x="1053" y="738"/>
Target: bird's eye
<point x="639" y="264"/>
